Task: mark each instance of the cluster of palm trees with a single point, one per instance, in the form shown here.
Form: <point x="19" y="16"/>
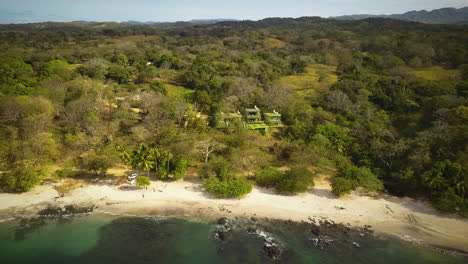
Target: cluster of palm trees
<point x="445" y="175"/>
<point x="146" y="158"/>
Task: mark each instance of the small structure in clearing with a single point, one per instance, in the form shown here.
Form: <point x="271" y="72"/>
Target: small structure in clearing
<point x="252" y="120"/>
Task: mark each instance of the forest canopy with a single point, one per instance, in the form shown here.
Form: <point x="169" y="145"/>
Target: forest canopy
<point x="380" y="104"/>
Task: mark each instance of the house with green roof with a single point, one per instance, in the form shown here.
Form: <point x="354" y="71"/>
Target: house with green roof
<point x="273" y="119"/>
<point x="252" y="120"/>
<point x="253" y="115"/>
<point x="225" y="119"/>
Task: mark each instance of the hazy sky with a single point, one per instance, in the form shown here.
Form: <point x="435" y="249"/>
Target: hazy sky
<point x="20" y="11"/>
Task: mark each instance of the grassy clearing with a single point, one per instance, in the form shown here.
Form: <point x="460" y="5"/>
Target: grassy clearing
<point x="178" y="91"/>
<point x="317" y="79"/>
<point x="273" y="43"/>
<point x="173" y="90"/>
<point x="436" y="74"/>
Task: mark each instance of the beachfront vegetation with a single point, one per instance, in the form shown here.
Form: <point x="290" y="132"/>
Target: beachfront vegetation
<point x="295" y="180"/>
<point x="22" y="178"/>
<point x="220" y="182"/>
<point x="148" y="158"/>
<point x="268" y="176"/>
<point x="228" y="188"/>
<point x="341" y="186"/>
<point x="143" y="181"/>
<point x="381" y="104"/>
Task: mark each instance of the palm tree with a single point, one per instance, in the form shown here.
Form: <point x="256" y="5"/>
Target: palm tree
<point x="124" y="156"/>
<point x="146" y="164"/>
<point x="434" y="182"/>
<point x="165" y="158"/>
<point x="138" y="157"/>
<point x="168" y="157"/>
<point x="155" y="155"/>
<point x="462" y="187"/>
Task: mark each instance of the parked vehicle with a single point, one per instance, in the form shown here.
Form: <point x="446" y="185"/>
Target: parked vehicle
<point x="132" y="176"/>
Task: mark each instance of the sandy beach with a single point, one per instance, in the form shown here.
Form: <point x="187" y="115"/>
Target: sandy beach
<point x="403" y="217"/>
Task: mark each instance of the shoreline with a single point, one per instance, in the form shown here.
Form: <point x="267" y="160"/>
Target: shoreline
<point x="215" y="217"/>
<point x="401" y="217"/>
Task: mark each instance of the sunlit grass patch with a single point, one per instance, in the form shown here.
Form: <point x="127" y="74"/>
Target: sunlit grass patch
<point x="436" y="73"/>
<point x="178" y="91"/>
<point x="317" y="79"/>
<point x="272" y="43"/>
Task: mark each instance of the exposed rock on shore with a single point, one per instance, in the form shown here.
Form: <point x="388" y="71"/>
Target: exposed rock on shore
<point x="67" y="210"/>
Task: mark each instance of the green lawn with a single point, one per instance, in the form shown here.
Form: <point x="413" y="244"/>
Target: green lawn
<point x="436" y="73"/>
<point x="178" y="91"/>
<point x="315" y="81"/>
<point x="256" y="126"/>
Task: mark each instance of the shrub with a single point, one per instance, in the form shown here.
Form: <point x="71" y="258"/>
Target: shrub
<point x="119" y="74"/>
<point x="361" y="177"/>
<point x="341" y="186"/>
<point x="143" y="181"/>
<point x="295" y="180"/>
<point x="179" y="167"/>
<point x="217" y="167"/>
<point x="449" y="201"/>
<point x="21" y="179"/>
<point x="159" y="87"/>
<point x="57" y="69"/>
<point x="227" y="188"/>
<point x="268" y="176"/>
<point x="94" y="163"/>
<point x="62" y="174"/>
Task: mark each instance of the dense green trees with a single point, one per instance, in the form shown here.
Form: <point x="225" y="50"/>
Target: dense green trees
<point x="16" y="76"/>
<point x="149" y="158"/>
<point x="119" y="73"/>
<point x="448" y="185"/>
<point x="179" y="167"/>
<point x="56" y="69"/>
<point x="219" y="181"/>
<point x="385" y="122"/>
<point x="22" y="178"/>
<point x="94" y="163"/>
<point x="352" y="177"/>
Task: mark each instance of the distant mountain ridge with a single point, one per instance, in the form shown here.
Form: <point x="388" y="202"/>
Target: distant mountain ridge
<point x="194" y="21"/>
<point x="437" y="16"/>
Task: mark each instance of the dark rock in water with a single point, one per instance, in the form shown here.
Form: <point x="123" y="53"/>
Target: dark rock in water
<point x="222" y="235"/>
<point x="315" y="230"/>
<point x="55" y="211"/>
<point x="321" y="242"/>
<point x="223" y="221"/>
<point x="271" y="248"/>
<point x="251" y="230"/>
<point x="273" y="251"/>
<point x="50" y="211"/>
<point x="73" y="209"/>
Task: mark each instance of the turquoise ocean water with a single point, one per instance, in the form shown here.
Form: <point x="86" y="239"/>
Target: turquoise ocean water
<point x="106" y="239"/>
